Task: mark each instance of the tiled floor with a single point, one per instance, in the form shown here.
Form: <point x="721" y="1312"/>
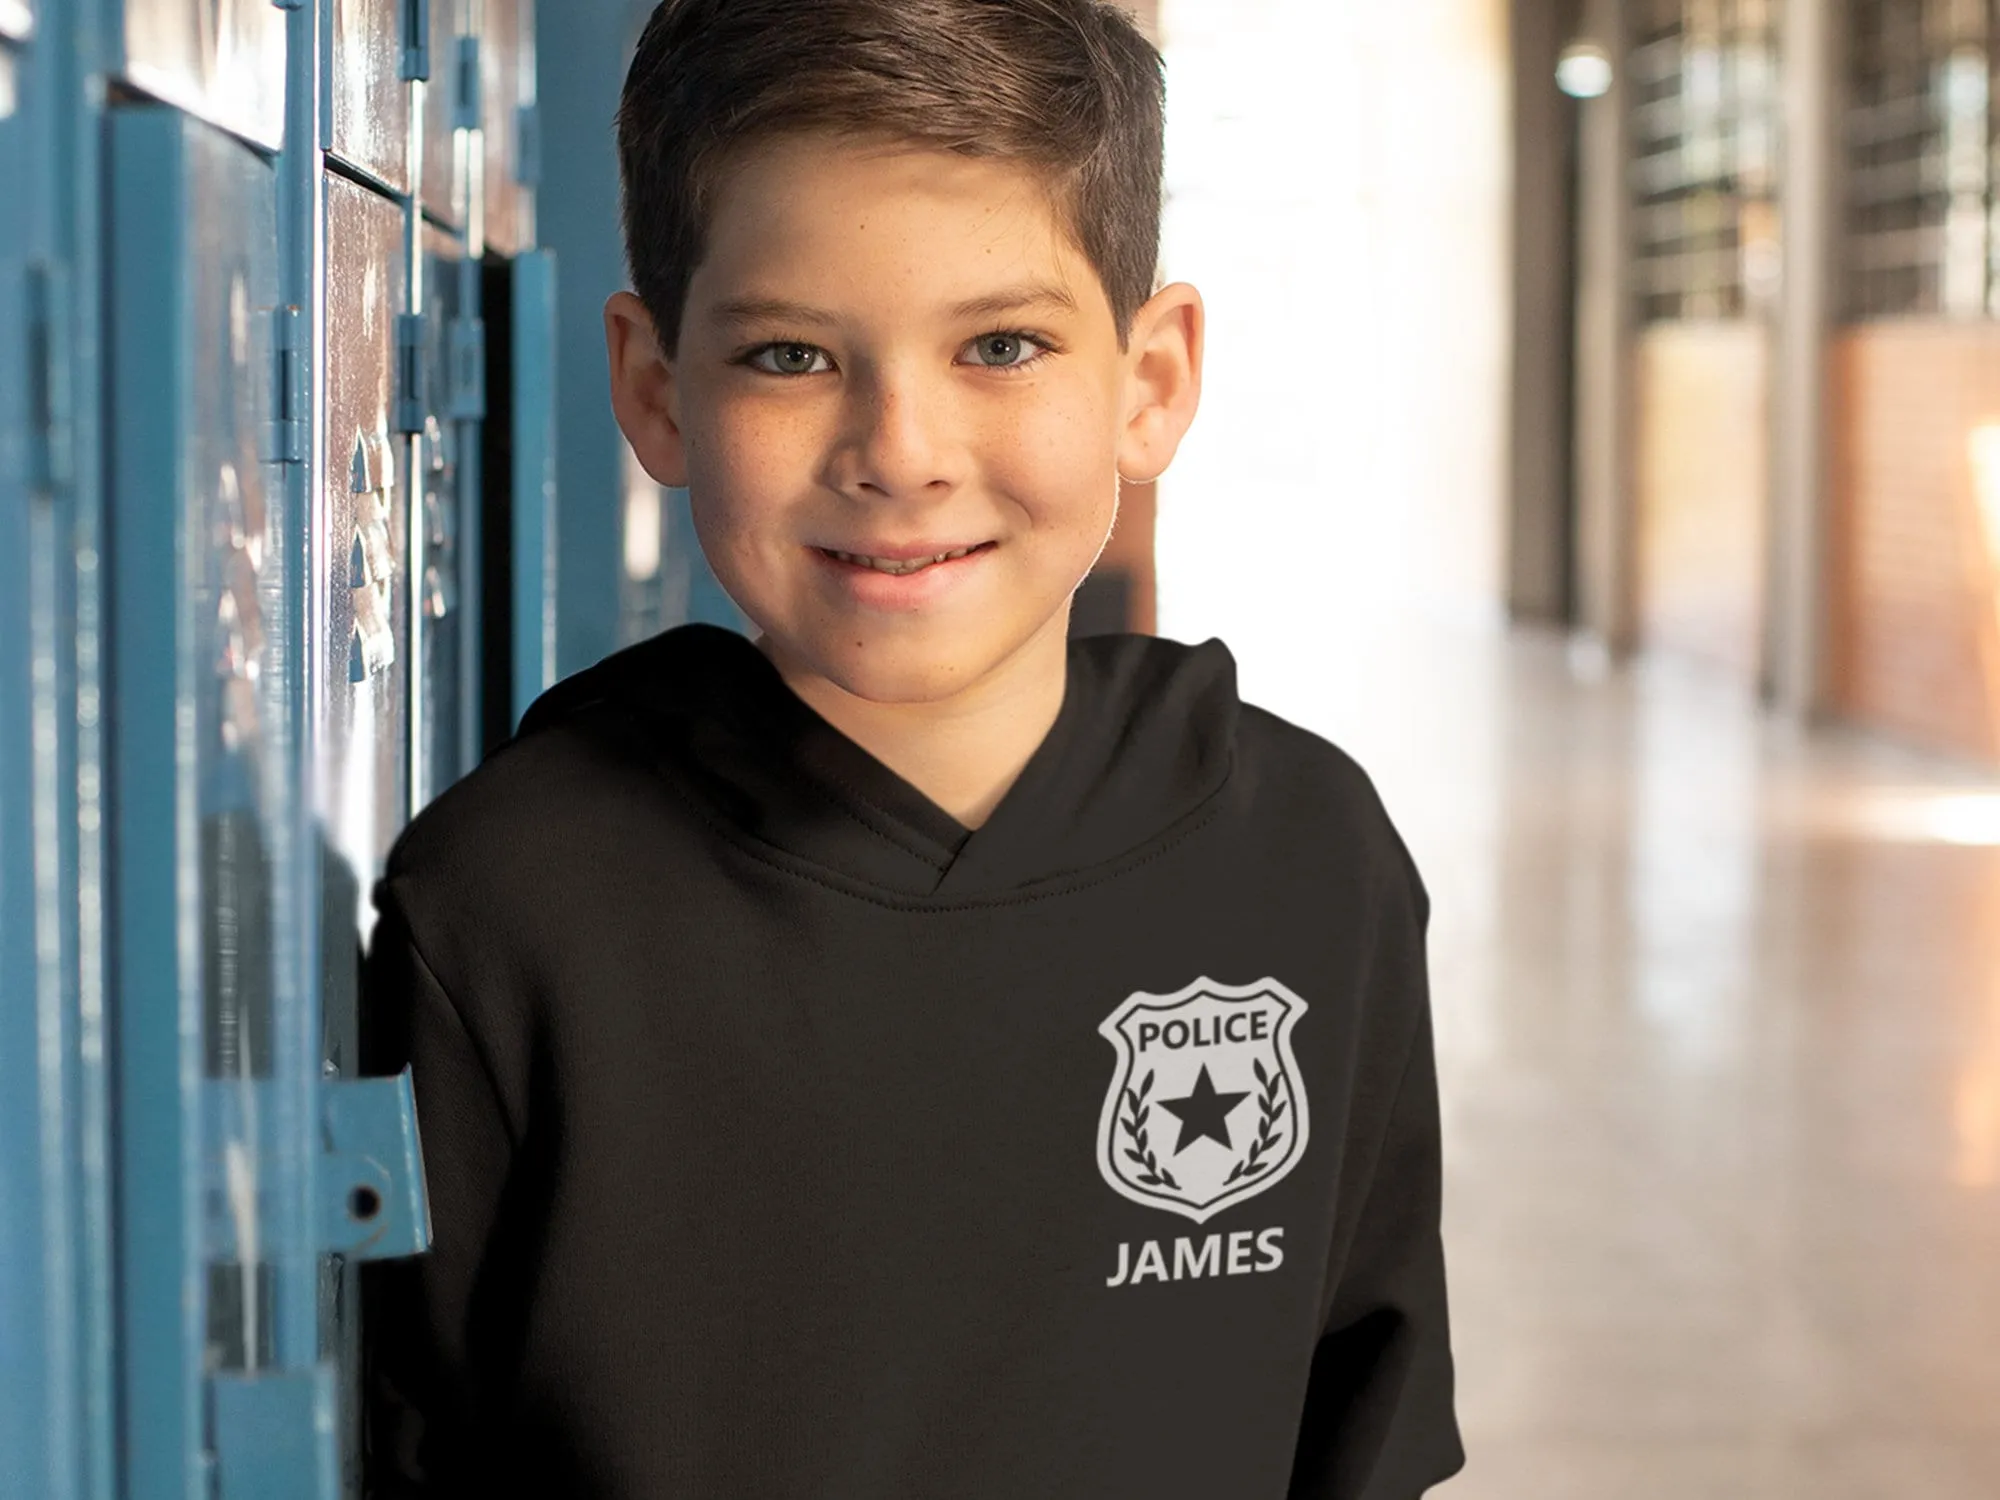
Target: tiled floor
<point x="1719" y="1035"/>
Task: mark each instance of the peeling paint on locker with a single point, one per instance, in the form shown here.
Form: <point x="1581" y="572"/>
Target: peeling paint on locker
<point x="451" y="112"/>
<point x="512" y="154"/>
<point x="443" y="750"/>
<point x="222" y="62"/>
<point x="361" y="795"/>
<point x="368" y="99"/>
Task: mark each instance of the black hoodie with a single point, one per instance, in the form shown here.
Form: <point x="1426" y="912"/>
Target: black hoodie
<point x="785" y="1138"/>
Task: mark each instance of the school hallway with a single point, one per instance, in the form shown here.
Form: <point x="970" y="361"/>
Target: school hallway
<point x="1715" y="957"/>
<point x="1718" y="1010"/>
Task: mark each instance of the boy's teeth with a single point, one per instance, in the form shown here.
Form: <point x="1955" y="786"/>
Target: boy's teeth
<point x="886" y="565"/>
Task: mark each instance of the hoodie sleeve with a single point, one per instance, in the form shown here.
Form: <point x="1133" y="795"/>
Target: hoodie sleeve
<point x="1378" y="1422"/>
<point x="418" y="1330"/>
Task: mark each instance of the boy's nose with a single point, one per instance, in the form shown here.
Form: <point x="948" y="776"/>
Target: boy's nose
<point x="901" y="440"/>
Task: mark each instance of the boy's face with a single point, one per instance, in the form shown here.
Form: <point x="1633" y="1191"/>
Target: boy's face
<point x="891" y="352"/>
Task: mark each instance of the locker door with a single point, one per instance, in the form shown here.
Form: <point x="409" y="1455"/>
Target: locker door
<point x="223" y="60"/>
<point x="217" y="1242"/>
<point x="56" y="1328"/>
<point x="531" y="543"/>
<point x="511" y="145"/>
<point x="444" y="706"/>
<point x="28" y="1411"/>
<point x="363" y="523"/>
<point x="362" y="699"/>
<point x="451" y="111"/>
<point x="367" y="88"/>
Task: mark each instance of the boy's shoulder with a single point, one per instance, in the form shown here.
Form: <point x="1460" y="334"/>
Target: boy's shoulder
<point x="1301" y="780"/>
<point x="569" y="770"/>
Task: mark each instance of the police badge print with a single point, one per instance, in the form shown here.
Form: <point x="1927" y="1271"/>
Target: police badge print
<point x="1205" y="1111"/>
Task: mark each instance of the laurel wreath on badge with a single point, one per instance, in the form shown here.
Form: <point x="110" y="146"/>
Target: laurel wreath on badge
<point x="1271" y="1109"/>
<point x="1140" y="1152"/>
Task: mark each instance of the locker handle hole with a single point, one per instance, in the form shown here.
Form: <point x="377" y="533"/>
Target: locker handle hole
<point x="364" y="1203"/>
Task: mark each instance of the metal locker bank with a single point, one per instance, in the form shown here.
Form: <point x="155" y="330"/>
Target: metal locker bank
<point x="276" y="568"/>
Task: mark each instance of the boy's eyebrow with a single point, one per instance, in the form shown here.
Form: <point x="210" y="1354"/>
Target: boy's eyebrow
<point x="1013" y="298"/>
<point x="770" y="310"/>
<point x="1008" y="299"/>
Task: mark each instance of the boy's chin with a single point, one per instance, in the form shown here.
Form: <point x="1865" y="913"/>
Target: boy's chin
<point x="900" y="667"/>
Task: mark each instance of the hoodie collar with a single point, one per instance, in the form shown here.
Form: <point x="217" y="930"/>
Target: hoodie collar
<point x="1145" y="735"/>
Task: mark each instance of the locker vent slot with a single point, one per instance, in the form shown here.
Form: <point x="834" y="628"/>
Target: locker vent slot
<point x="51" y="419"/>
<point x="410" y="404"/>
<point x="416" y="39"/>
<point x="528" y="140"/>
<point x="468" y="369"/>
<point x="465" y="96"/>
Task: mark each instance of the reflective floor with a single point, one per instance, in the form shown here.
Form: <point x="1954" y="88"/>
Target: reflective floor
<point x="1719" y="1028"/>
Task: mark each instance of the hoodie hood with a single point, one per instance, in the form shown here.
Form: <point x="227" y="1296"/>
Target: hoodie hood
<point x="1145" y="737"/>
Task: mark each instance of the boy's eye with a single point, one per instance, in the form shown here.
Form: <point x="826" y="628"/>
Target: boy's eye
<point x="1006" y="350"/>
<point x="788" y="359"/>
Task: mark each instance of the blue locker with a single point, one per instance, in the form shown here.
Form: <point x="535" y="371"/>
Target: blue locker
<point x="217" y="1238"/>
<point x="223" y="62"/>
<point x="290" y="583"/>
<point x="511" y="153"/>
<point x="451" y="111"/>
<point x="368" y="639"/>
<point x="362" y="524"/>
<point x="370" y="56"/>
<point x="445" y="708"/>
<point x="56" y="1353"/>
<point x="532" y="484"/>
<point x="23" y="1338"/>
<point x="27" y="1355"/>
<point x="249" y="1182"/>
<point x="631" y="568"/>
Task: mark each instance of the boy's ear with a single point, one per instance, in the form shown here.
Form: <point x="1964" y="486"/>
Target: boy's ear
<point x="1163" y="381"/>
<point x="644" y="394"/>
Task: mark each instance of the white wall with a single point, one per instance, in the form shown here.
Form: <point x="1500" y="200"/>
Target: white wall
<point x="1336" y="174"/>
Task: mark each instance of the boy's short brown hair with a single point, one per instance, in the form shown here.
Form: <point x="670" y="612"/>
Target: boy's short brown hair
<point x="1069" y="88"/>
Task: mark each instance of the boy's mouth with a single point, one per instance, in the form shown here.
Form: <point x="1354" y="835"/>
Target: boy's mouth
<point x="901" y="565"/>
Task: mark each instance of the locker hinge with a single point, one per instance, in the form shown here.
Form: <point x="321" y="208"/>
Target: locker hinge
<point x="468" y="370"/>
<point x="51" y="412"/>
<point x="528" y="145"/>
<point x="411" y="408"/>
<point x="372" y="1180"/>
<point x="276" y="1435"/>
<point x="285" y="438"/>
<point x="372" y="1200"/>
<point x="465" y="91"/>
<point x="416" y="39"/>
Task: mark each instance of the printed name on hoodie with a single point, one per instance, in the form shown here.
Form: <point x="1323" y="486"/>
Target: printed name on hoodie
<point x="1215" y="1255"/>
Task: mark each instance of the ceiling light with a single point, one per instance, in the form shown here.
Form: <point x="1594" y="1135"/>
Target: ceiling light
<point x="1584" y="71"/>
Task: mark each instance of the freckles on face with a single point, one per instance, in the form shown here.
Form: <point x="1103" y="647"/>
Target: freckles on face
<point x="890" y="349"/>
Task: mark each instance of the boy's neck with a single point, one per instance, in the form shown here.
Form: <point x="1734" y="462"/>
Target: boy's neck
<point x="962" y="752"/>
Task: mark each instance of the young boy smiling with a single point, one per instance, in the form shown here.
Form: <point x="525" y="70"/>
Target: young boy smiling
<point x="913" y="1053"/>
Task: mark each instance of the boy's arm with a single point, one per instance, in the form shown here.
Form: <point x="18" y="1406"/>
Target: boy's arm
<point x="1378" y="1422"/>
<point x="419" y="1360"/>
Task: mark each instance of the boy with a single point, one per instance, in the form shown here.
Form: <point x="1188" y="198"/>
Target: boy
<point x="912" y="1054"/>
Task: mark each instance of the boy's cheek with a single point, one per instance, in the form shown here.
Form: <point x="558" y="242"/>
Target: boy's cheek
<point x="1067" y="462"/>
<point x="747" y="456"/>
